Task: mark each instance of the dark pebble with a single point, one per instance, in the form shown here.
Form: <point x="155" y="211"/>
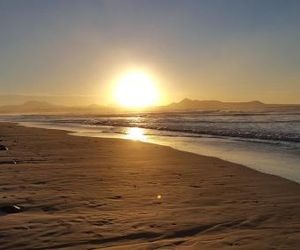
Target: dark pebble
<point x="3" y="148"/>
<point x="8" y="162"/>
<point x="11" y="209"/>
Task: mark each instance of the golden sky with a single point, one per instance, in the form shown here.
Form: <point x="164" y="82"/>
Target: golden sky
<point x="238" y="51"/>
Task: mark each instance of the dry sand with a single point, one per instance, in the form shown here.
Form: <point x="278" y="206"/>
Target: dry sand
<point x="90" y="193"/>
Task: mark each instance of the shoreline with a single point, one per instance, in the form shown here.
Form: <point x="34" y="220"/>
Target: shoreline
<point x="286" y="169"/>
<point x="87" y="192"/>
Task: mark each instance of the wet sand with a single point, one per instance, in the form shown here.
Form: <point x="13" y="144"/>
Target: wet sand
<point x="93" y="193"/>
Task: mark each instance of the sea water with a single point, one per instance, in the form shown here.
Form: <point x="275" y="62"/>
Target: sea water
<point x="265" y="141"/>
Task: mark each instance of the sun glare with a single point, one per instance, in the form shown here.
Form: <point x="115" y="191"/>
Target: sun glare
<point x="136" y="90"/>
<point x="136" y="134"/>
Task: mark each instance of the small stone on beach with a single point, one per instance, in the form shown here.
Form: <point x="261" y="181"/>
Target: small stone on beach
<point x="11" y="209"/>
<point x="8" y="162"/>
<point x="3" y="148"/>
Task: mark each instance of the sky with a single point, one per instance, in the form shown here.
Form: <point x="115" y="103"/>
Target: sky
<point x="228" y="50"/>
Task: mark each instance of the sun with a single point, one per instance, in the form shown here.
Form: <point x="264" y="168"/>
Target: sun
<point x="136" y="90"/>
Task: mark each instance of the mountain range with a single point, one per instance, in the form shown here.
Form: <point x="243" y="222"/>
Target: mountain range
<point x="186" y="105"/>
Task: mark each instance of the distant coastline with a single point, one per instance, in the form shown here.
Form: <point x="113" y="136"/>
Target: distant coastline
<point x="186" y="105"/>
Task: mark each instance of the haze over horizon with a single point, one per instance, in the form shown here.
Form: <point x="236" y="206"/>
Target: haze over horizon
<point x="206" y="50"/>
<point x="82" y="101"/>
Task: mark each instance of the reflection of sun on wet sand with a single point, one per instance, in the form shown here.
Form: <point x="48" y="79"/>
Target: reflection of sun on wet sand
<point x="87" y="193"/>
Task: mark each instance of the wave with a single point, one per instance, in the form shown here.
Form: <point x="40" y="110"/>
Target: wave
<point x="211" y="130"/>
<point x="282" y="127"/>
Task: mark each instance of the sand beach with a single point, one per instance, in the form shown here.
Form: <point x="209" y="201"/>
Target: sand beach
<point x="93" y="193"/>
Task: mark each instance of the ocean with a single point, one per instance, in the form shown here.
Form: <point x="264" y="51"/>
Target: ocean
<point x="265" y="141"/>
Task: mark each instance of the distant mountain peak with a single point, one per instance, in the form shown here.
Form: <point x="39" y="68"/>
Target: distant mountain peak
<point x="189" y="104"/>
<point x="257" y="102"/>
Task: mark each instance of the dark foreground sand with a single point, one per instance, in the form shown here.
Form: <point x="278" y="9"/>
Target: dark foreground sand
<point x="90" y="193"/>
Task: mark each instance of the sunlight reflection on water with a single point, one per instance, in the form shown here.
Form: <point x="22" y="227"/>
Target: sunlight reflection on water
<point x="135" y="134"/>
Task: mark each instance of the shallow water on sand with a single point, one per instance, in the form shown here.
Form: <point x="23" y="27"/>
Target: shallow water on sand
<point x="267" y="143"/>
